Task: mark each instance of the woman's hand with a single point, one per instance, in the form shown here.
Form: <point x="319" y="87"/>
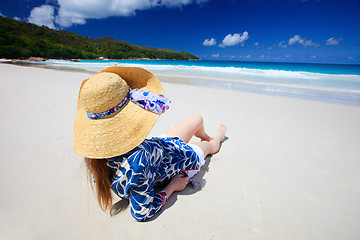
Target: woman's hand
<point x="177" y="183"/>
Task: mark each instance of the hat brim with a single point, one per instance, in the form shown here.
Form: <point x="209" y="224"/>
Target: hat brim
<point x="126" y="129"/>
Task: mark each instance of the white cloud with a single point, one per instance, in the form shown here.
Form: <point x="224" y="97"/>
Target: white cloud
<point x="229" y="56"/>
<point x="294" y="40"/>
<point x="2" y="15"/>
<point x="257" y="45"/>
<point x="17" y="18"/>
<point x="235" y="39"/>
<point x="211" y="42"/>
<point x="302" y="41"/>
<point x="333" y="41"/>
<point x="309" y="43"/>
<point x="215" y="55"/>
<point x="247" y="56"/>
<point x="281" y="44"/>
<point x="76" y="12"/>
<point x="43" y="15"/>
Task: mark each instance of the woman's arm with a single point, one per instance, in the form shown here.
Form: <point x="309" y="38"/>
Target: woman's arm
<point x="145" y="203"/>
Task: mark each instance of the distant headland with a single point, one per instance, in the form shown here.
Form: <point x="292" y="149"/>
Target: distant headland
<point x="22" y="40"/>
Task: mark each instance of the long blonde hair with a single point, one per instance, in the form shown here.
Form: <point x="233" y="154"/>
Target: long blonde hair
<point x="101" y="172"/>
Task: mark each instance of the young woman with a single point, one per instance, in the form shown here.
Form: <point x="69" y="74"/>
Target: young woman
<point x="117" y="108"/>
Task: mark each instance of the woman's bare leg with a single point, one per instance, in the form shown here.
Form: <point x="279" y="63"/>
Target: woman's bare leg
<point x="212" y="146"/>
<point x="192" y="126"/>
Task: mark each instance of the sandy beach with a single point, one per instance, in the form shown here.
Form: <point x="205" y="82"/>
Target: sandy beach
<point x="289" y="169"/>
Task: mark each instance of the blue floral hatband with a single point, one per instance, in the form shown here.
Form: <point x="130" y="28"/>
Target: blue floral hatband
<point x="149" y="101"/>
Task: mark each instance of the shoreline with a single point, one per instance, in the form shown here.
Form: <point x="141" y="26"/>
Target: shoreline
<point x="345" y="97"/>
<point x="330" y="96"/>
<point x="46" y="66"/>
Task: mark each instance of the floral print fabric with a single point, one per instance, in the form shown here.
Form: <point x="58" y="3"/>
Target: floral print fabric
<point x="153" y="163"/>
<point x="108" y="112"/>
<point x="149" y="101"/>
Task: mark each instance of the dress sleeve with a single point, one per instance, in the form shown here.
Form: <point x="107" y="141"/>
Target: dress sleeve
<point x="144" y="202"/>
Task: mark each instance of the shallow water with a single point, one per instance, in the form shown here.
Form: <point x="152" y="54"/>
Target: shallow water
<point x="325" y="82"/>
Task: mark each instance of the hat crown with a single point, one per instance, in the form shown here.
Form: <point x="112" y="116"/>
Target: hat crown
<point x="102" y="92"/>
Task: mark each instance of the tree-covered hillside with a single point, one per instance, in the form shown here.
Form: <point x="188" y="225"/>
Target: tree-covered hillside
<point x="23" y="40"/>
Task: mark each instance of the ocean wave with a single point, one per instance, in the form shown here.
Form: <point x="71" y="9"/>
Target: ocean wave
<point x="264" y="77"/>
<point x="203" y="69"/>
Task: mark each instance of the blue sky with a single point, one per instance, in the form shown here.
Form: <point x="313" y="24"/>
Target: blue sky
<point x="320" y="31"/>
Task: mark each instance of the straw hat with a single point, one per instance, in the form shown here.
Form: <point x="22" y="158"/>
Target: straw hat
<point x="124" y="129"/>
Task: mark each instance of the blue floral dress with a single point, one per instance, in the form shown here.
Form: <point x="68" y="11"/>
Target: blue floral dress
<point x="154" y="162"/>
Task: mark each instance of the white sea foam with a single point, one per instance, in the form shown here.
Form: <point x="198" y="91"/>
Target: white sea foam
<point x="274" y="81"/>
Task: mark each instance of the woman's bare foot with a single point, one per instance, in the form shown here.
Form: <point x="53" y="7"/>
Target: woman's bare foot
<point x="221" y="132"/>
<point x="215" y="142"/>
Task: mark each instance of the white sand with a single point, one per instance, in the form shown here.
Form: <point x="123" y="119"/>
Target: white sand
<point x="289" y="170"/>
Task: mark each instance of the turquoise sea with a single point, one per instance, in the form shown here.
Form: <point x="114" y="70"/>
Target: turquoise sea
<point x="336" y="83"/>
